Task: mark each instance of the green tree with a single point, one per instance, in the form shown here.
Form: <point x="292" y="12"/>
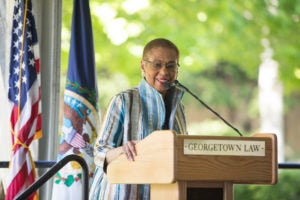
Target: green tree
<point x="207" y="32"/>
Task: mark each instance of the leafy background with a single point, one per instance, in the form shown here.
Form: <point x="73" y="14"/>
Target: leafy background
<point x="221" y="45"/>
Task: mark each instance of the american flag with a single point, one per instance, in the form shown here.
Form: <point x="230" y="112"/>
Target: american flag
<point x="25" y="98"/>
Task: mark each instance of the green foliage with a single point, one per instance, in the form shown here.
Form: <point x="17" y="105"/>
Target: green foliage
<point x="286" y="188"/>
<point x="228" y="77"/>
<point x="207" y="32"/>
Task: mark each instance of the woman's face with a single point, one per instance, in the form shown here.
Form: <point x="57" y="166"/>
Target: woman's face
<point x="160" y="66"/>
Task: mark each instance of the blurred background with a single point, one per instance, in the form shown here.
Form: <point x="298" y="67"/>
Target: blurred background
<point x="239" y="57"/>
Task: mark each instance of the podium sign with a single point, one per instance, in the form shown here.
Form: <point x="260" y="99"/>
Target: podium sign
<point x="177" y="164"/>
<point x="224" y="147"/>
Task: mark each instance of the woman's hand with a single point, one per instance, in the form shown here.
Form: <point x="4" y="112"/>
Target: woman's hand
<point x="129" y="149"/>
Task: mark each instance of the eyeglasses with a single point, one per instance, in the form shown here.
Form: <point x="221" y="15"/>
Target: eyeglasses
<point x="157" y="65"/>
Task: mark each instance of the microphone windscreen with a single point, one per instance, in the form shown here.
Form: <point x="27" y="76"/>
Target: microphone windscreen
<point x="167" y="85"/>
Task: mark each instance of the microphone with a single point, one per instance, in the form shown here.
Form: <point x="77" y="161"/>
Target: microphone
<point x="168" y="85"/>
<point x="182" y="87"/>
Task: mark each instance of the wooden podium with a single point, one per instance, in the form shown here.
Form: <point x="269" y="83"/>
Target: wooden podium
<point x="197" y="167"/>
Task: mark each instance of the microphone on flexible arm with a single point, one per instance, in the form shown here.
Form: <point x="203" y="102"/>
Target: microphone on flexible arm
<point x="182" y="87"/>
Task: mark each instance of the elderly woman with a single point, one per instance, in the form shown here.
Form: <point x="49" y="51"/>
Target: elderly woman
<point x="135" y="113"/>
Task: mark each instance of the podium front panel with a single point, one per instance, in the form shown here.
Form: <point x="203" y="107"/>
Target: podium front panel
<point x="243" y="166"/>
<point x="162" y="159"/>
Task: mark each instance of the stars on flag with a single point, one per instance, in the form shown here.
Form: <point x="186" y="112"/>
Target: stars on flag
<point x="23" y="72"/>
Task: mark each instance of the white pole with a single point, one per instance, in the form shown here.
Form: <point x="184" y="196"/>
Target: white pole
<point x="271" y="98"/>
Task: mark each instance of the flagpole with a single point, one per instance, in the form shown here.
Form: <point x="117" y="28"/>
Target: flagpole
<point x="25" y="99"/>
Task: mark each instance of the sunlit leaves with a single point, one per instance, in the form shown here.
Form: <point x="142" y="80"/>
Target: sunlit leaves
<point x="206" y="32"/>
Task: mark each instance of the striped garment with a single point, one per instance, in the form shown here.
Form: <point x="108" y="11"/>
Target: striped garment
<point x="132" y="115"/>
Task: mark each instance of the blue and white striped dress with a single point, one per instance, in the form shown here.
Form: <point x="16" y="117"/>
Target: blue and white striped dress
<point x="132" y="115"/>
